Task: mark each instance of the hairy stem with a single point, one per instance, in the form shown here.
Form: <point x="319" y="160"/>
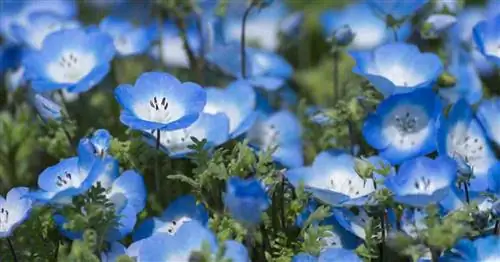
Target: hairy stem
<point x="11" y="247"/>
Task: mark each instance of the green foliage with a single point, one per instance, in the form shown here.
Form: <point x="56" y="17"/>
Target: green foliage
<point x="57" y="138"/>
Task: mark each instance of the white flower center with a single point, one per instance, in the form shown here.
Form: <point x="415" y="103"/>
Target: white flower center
<point x="171" y="227"/>
<point x="122" y="44"/>
<point x="71" y="67"/>
<point x="4" y="219"/>
<point x="352" y="186"/>
<point x="493" y="48"/>
<point x="472" y="149"/>
<point x="406" y="127"/>
<point x="67" y="180"/>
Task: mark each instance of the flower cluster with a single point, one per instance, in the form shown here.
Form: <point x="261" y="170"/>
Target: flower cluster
<point x="173" y="131"/>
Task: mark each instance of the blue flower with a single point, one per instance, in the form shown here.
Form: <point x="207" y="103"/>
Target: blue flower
<point x="354" y="222"/>
<point x="213" y="128"/>
<point x="264" y="69"/>
<point x="14" y="210"/>
<point x="72" y="176"/>
<point x="178" y="212"/>
<point x="332" y="179"/>
<point x="487" y="38"/>
<point x="329" y="254"/>
<point x="160" y="101"/>
<point x="101" y="140"/>
<point x="468" y="84"/>
<point x="280" y="131"/>
<point x="235" y="251"/>
<point x="487" y="114"/>
<point x="17" y="13"/>
<point x="128" y="39"/>
<point x="422" y="181"/>
<point x="237" y="102"/>
<point x="396" y="9"/>
<point x="460" y="136"/>
<point x="246" y="199"/>
<point x="191" y="237"/>
<point x="369" y="29"/>
<point x="74" y="58"/>
<point x="262" y="25"/>
<point x="404" y="126"/>
<point x="480" y="249"/>
<point x="46" y="108"/>
<point x="39" y="26"/>
<point x="397" y="68"/>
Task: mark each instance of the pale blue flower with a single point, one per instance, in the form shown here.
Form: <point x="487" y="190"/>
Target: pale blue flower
<point x="128" y="38"/>
<point x="14" y="210"/>
<point x="246" y="199"/>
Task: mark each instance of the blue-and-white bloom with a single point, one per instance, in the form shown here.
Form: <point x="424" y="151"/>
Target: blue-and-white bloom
<point x="397" y="68"/>
<point x="487" y="114"/>
<point x="487" y="38"/>
<point x="396" y="9"/>
<point x="14" y="209"/>
<point x="17" y="13"/>
<point x="72" y="176"/>
<point x="369" y="29"/>
<point x="333" y="179"/>
<point x="128" y="38"/>
<point x="422" y="181"/>
<point x="75" y="59"/>
<point x="280" y="131"/>
<point x="39" y="26"/>
<point x="46" y="108"/>
<point x="404" y="126"/>
<point x="481" y="249"/>
<point x="213" y="128"/>
<point x="178" y="212"/>
<point x="237" y="102"/>
<point x="460" y="136"/>
<point x="177" y="247"/>
<point x="264" y="69"/>
<point x="160" y="101"/>
<point x="246" y="199"/>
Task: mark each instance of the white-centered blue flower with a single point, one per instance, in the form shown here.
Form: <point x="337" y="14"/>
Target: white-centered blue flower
<point x="369" y="29"/>
<point x="14" y="210"/>
<point x="404" y="126"/>
<point x="39" y="26"/>
<point x="333" y="179"/>
<point x="422" y="181"/>
<point x="178" y="212"/>
<point x="237" y="102"/>
<point x="460" y="136"/>
<point x="397" y="68"/>
<point x="160" y="101"/>
<point x="281" y="132"/>
<point x="76" y="59"/>
<point x="487" y="38"/>
<point x="128" y="38"/>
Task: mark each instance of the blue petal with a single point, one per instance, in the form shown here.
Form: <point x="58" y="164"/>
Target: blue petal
<point x="131" y="185"/>
<point x="126" y="223"/>
<point x="185" y="206"/>
<point x="235" y="251"/>
<point x="147" y="228"/>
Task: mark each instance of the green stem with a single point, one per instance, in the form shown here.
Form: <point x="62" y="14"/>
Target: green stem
<point x="11" y="247"/>
<point x="66" y="112"/>
<point x="336" y="85"/>
<point x="435" y="255"/>
<point x="243" y="40"/>
<point x="193" y="61"/>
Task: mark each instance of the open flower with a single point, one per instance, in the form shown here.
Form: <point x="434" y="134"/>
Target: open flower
<point x="422" y="181"/>
<point x="397" y="68"/>
<point x="404" y="126"/>
<point x="128" y="39"/>
<point x="246" y="199"/>
<point x="332" y="179"/>
<point x="487" y="38"/>
<point x="160" y="101"/>
<point x="76" y="59"/>
<point x="178" y="212"/>
<point x="461" y="137"/>
<point x="237" y="102"/>
<point x="14" y="209"/>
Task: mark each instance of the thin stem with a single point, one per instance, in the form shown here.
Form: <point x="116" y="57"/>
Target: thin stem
<point x="243" y="40"/>
<point x="157" y="167"/>
<point x="381" y="246"/>
<point x="201" y="57"/>
<point x="395" y="31"/>
<point x="159" y="21"/>
<point x="435" y="254"/>
<point x="66" y="112"/>
<point x="11" y="247"/>
<point x="336" y="85"/>
<point x="497" y="227"/>
<point x="193" y="61"/>
<point x="283" y="219"/>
